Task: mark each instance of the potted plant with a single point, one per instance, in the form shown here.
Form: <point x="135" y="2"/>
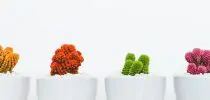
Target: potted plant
<point x="194" y="84"/>
<point x="65" y="81"/>
<point x="13" y="86"/>
<point x="134" y="81"/>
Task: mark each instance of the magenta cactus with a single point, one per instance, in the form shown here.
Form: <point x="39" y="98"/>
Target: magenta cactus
<point x="199" y="61"/>
<point x="202" y="69"/>
<point x="192" y="69"/>
<point x="189" y="57"/>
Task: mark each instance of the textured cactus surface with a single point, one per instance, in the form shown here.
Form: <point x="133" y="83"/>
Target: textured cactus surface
<point x="145" y="60"/>
<point x="135" y="68"/>
<point x="199" y="61"/>
<point x="130" y="56"/>
<point x="127" y="66"/>
<point x="132" y="67"/>
<point x="8" y="59"/>
<point x="1" y="48"/>
<point x="66" y="60"/>
<point x="9" y="62"/>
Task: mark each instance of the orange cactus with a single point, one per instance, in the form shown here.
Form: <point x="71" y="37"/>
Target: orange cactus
<point x="1" y="48"/>
<point x="8" y="59"/>
<point x="66" y="60"/>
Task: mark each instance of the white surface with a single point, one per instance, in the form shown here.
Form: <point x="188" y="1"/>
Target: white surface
<point x="139" y="87"/>
<point x="74" y="87"/>
<point x="14" y="87"/>
<point x="104" y="31"/>
<point x="192" y="87"/>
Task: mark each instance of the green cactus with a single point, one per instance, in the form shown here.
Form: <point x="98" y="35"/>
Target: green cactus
<point x="130" y="56"/>
<point x="127" y="66"/>
<point x="135" y="68"/>
<point x="145" y="60"/>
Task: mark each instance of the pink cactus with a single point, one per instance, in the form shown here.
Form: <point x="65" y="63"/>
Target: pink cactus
<point x="189" y="57"/>
<point x="192" y="69"/>
<point x="206" y="57"/>
<point x="202" y="69"/>
<point x="197" y="53"/>
<point x="199" y="61"/>
<point x="208" y="69"/>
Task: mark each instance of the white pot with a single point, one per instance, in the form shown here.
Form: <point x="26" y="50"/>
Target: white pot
<point x="68" y="87"/>
<point x="14" y="87"/>
<point x="139" y="87"/>
<point x="192" y="87"/>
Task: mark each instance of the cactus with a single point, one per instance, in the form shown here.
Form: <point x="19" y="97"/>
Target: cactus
<point x="8" y="59"/>
<point x="135" y="68"/>
<point x="145" y="60"/>
<point x="1" y="57"/>
<point x="66" y="60"/>
<point x="132" y="67"/>
<point x="127" y="66"/>
<point x="130" y="56"/>
<point x="14" y="57"/>
<point x="198" y="61"/>
<point x="1" y="48"/>
<point x="9" y="62"/>
<point x="7" y="51"/>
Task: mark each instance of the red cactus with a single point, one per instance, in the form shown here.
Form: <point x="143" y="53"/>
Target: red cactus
<point x="66" y="60"/>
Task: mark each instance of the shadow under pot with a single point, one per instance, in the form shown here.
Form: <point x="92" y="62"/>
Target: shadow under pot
<point x="139" y="87"/>
<point x="192" y="87"/>
<point x="14" y="87"/>
<point x="70" y="87"/>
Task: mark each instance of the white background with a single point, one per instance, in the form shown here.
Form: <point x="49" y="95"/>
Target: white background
<point x="104" y="31"/>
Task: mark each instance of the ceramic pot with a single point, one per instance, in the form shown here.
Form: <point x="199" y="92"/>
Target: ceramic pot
<point x="192" y="87"/>
<point x="138" y="87"/>
<point x="14" y="87"/>
<point x="72" y="87"/>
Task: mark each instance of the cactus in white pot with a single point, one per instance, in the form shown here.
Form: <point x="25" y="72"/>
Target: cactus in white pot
<point x="194" y="84"/>
<point x="10" y="79"/>
<point x="65" y="81"/>
<point x="135" y="82"/>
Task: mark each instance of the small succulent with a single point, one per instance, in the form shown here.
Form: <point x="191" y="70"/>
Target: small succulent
<point x="145" y="60"/>
<point x="130" y="56"/>
<point x="199" y="61"/>
<point x="66" y="60"/>
<point x="8" y="59"/>
<point x="132" y="67"/>
<point x="135" y="68"/>
<point x="127" y="66"/>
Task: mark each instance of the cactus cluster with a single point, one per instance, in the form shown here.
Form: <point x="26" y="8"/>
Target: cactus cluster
<point x="133" y="67"/>
<point x="8" y="59"/>
<point x="66" y="60"/>
<point x="198" y="61"/>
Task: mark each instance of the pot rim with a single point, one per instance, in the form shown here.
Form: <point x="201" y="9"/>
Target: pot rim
<point x="13" y="75"/>
<point x="66" y="77"/>
<point x="138" y="76"/>
<point x="187" y="75"/>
